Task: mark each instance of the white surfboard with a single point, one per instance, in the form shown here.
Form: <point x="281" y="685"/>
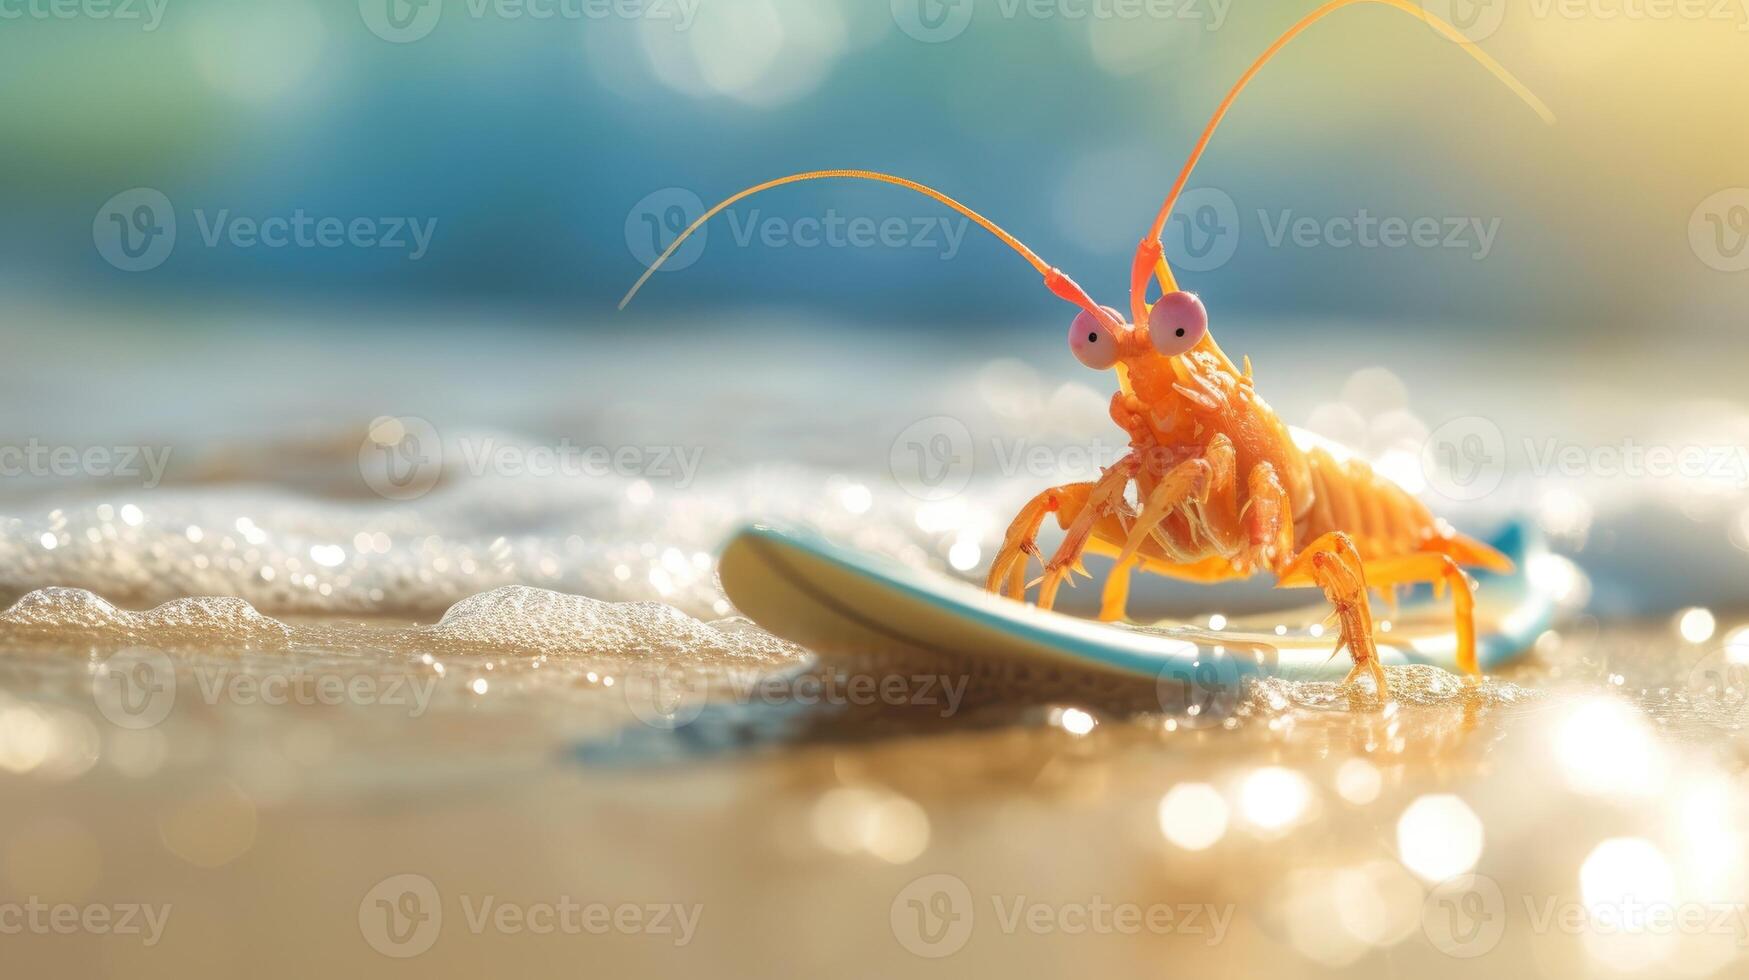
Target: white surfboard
<point x="840" y="602"/>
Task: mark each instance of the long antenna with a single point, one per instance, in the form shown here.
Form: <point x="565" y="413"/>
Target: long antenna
<point x="1146" y="262"/>
<point x="1058" y="283"/>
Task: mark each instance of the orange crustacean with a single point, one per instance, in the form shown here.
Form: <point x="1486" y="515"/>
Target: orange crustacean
<point x="1222" y="490"/>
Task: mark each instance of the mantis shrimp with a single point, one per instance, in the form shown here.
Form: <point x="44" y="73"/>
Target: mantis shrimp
<point x="1222" y="489"/>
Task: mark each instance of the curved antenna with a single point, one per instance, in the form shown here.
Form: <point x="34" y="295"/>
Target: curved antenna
<point x="1055" y="280"/>
<point x="1150" y="257"/>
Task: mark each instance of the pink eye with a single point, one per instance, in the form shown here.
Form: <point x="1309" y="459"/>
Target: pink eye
<point x="1177" y="322"/>
<point x="1092" y="341"/>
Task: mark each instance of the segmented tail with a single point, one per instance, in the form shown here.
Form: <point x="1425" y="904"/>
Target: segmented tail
<point x="1385" y="520"/>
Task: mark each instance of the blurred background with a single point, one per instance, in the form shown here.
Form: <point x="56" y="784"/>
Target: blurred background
<point x="529" y="136"/>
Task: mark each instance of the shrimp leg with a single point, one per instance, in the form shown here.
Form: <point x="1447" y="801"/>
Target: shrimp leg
<point x="1105" y="497"/>
<point x="1262" y="530"/>
<point x="1269" y="517"/>
<point x="1332" y="563"/>
<point x="1008" y="570"/>
<point x="1186" y="485"/>
<point x="1078" y="507"/>
<point x="1441" y="571"/>
<point x="1115" y="599"/>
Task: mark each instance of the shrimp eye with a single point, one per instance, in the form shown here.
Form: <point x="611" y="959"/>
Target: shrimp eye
<point x="1177" y="322"/>
<point x="1092" y="340"/>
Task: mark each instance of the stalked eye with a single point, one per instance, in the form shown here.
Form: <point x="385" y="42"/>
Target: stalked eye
<point x="1177" y="322"/>
<point x="1092" y="341"/>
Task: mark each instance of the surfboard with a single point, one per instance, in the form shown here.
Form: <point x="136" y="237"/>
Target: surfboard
<point x="842" y="602"/>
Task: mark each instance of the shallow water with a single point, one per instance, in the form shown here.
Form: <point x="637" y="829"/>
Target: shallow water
<point x="285" y="781"/>
<point x="264" y="692"/>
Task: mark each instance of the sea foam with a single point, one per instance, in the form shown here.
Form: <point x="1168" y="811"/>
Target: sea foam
<point x="65" y="612"/>
<point x="529" y="621"/>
